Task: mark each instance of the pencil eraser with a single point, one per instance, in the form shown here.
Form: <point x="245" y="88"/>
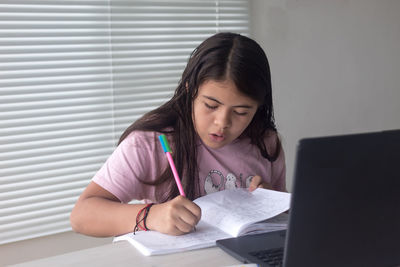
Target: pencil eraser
<point x="164" y="143"/>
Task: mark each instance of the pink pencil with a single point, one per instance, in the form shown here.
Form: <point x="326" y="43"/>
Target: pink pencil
<point x="167" y="150"/>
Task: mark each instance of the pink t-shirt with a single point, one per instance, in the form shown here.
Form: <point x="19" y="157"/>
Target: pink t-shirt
<point x="141" y="156"/>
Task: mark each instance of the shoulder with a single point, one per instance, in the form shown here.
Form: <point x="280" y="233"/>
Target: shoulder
<point x="141" y="137"/>
<point x="142" y="153"/>
<point x="137" y="147"/>
<point x="145" y="144"/>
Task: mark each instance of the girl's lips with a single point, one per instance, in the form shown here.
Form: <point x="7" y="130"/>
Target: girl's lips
<point x="217" y="137"/>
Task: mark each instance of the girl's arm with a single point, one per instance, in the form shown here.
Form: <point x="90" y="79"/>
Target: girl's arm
<point x="99" y="213"/>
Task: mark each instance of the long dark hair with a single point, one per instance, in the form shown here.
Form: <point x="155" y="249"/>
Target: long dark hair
<point x="220" y="57"/>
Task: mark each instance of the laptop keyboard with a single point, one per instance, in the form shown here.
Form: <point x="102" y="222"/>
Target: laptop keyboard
<point x="274" y="257"/>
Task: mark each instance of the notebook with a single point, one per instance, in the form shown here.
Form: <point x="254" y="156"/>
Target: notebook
<point x="345" y="206"/>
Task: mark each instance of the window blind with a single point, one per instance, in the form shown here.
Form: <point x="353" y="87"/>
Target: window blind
<point x="73" y="76"/>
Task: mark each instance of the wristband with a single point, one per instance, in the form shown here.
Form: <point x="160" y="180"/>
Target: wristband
<point x="145" y="212"/>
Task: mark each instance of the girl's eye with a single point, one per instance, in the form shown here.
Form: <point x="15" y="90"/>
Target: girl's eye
<point x="210" y="107"/>
<point x="240" y="113"/>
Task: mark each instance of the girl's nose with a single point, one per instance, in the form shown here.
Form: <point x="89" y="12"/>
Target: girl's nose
<point x="223" y="119"/>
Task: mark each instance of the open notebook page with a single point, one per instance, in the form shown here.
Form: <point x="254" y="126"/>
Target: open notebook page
<point x="234" y="210"/>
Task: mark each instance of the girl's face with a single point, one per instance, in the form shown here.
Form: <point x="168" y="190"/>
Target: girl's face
<point x="221" y="113"/>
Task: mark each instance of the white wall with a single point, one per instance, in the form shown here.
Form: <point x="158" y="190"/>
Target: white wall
<point x="335" y="66"/>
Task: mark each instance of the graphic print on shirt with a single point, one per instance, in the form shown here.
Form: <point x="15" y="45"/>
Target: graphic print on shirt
<point x="209" y="185"/>
<point x="247" y="181"/>
<point x="230" y="182"/>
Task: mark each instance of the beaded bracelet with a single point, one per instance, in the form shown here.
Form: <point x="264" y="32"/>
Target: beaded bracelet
<point x="144" y="210"/>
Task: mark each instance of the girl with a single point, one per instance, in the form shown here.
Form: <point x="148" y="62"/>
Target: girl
<point x="221" y="129"/>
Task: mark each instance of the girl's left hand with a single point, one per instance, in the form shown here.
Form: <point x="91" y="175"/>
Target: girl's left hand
<point x="257" y="182"/>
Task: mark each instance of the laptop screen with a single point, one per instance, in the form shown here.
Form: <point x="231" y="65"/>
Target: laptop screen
<point x="345" y="206"/>
<point x="346" y="202"/>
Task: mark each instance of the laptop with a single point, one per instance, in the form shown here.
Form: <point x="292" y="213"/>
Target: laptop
<point x="345" y="206"/>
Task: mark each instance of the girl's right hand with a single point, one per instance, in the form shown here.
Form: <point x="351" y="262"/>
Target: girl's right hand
<point x="175" y="217"/>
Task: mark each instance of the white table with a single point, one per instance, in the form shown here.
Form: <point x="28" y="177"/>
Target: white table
<point x="122" y="254"/>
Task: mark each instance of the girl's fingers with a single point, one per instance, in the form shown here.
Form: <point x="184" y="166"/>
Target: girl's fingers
<point x="182" y="222"/>
<point x="175" y="217"/>
<point x="189" y="215"/>
<point x="257" y="182"/>
<point x="183" y="227"/>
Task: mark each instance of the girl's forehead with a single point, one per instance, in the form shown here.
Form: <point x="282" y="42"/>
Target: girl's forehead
<point x="224" y="91"/>
<point x="216" y="84"/>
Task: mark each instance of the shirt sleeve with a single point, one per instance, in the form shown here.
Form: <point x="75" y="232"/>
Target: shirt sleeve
<point x="138" y="158"/>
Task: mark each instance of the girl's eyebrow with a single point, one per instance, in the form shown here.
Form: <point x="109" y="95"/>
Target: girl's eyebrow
<point x="219" y="102"/>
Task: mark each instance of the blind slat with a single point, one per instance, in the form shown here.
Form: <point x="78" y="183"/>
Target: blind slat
<point x="36" y="206"/>
<point x="50" y="174"/>
<point x="23" y="200"/>
<point x="8" y="222"/>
